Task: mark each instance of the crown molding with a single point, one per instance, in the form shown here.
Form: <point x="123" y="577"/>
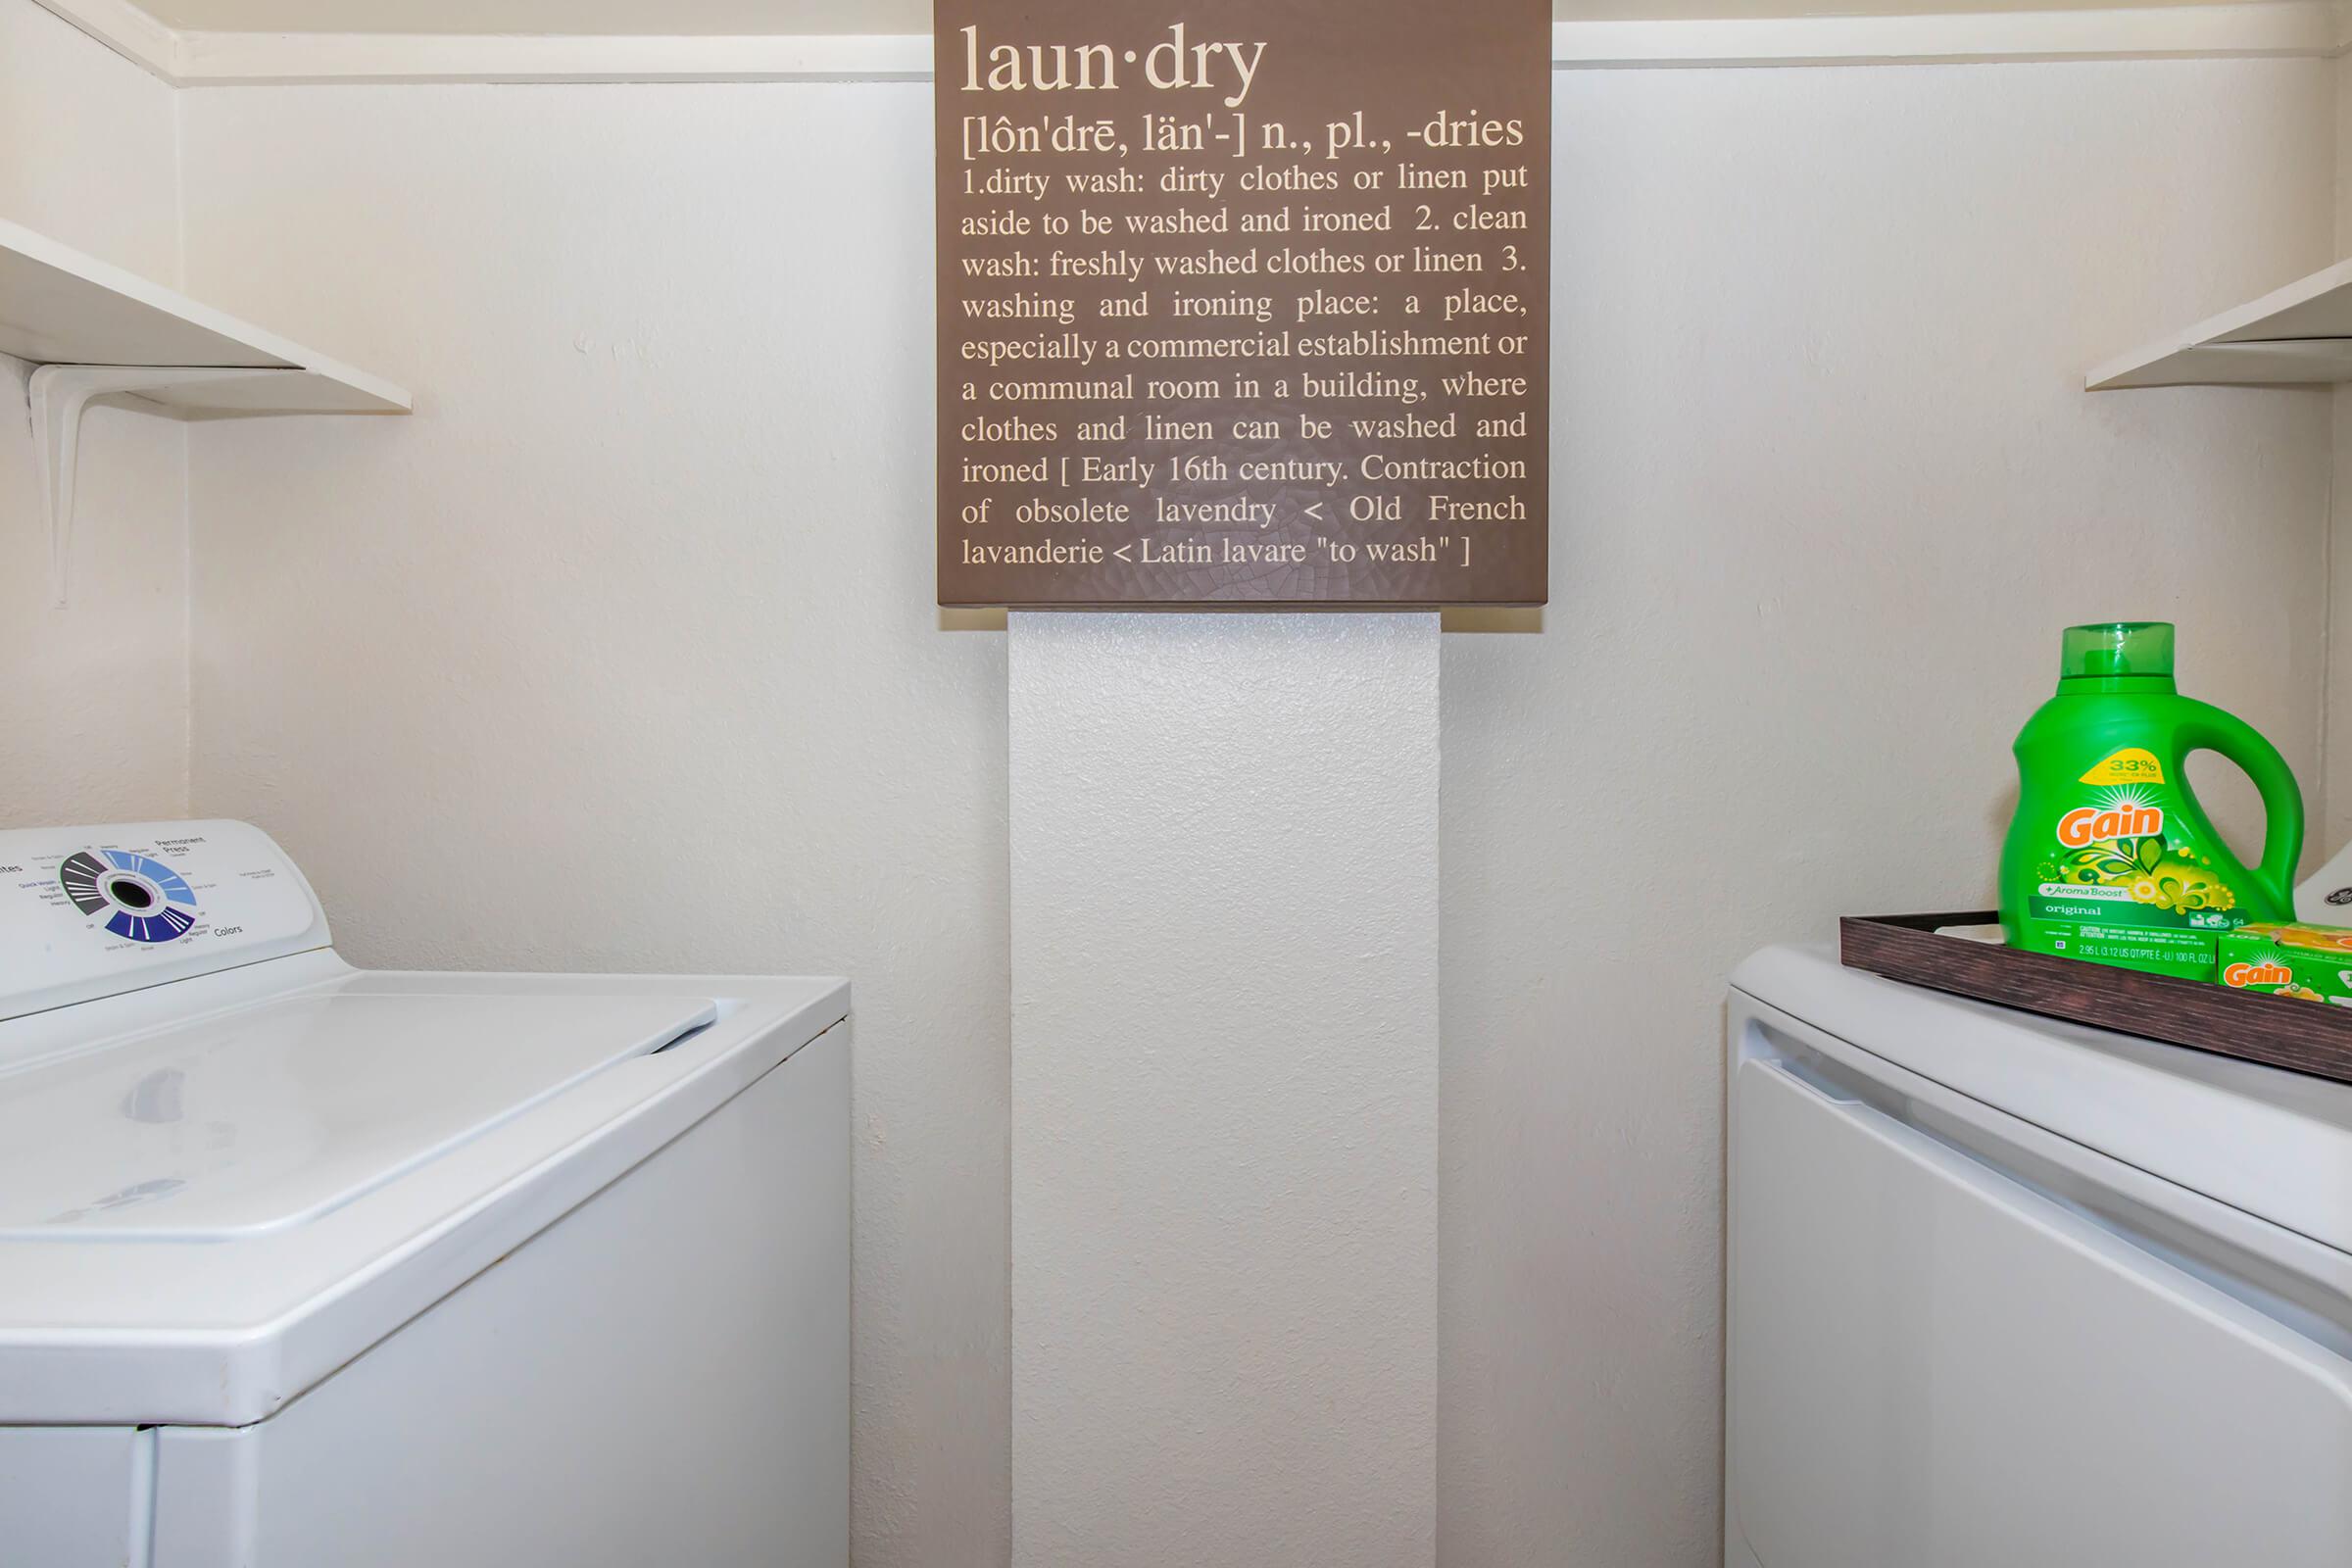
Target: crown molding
<point x="249" y="59"/>
<point x="125" y="28"/>
<point x="2276" y="29"/>
<point x="2272" y="28"/>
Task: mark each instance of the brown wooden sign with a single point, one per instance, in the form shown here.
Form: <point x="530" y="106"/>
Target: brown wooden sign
<point x="1243" y="304"/>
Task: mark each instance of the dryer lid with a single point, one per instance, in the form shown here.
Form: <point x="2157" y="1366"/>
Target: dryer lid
<point x="269" y="1116"/>
<point x="2272" y="1143"/>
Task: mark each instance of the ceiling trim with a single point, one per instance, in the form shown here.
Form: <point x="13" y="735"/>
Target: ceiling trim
<point x="126" y="29"/>
<point x="247" y="58"/>
<point x="2272" y="28"/>
<point x="2279" y="28"/>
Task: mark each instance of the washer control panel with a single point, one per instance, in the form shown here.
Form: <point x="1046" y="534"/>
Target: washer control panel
<point x="92" y="910"/>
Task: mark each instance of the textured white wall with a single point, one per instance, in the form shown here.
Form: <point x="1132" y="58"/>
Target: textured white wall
<point x="1825" y="486"/>
<point x="1224" y="1090"/>
<point x="619" y="652"/>
<point x="2332" y="823"/>
<point x="93" y="697"/>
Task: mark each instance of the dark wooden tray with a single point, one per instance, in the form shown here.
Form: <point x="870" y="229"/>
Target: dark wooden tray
<point x="2310" y="1037"/>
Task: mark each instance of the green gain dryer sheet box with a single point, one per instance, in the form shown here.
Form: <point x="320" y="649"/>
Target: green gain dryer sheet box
<point x="2310" y="962"/>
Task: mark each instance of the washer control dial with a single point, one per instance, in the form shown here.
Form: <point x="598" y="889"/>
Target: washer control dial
<point x="138" y="896"/>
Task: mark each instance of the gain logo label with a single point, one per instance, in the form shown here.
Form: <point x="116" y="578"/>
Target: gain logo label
<point x="2126" y="817"/>
<point x="2269" y="972"/>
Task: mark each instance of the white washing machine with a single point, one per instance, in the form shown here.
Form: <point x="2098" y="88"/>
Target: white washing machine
<point x="302" y="1265"/>
<point x="2006" y="1292"/>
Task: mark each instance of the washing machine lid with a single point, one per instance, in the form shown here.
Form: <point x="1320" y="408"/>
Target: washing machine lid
<point x="2273" y="1142"/>
<point x="273" y="1115"/>
<point x="217" y="1191"/>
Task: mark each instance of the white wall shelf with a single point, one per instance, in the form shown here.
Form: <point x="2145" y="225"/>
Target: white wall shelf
<point x="2299" y="335"/>
<point x="92" y="331"/>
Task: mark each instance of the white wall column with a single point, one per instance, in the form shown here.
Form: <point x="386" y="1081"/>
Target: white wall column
<point x="1224" y="1090"/>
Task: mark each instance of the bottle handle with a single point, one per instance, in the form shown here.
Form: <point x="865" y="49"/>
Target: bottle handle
<point x="2214" y="730"/>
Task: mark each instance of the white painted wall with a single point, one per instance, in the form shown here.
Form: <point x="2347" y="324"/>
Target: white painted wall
<point x="1826" y="488"/>
<point x="93" y="699"/>
<point x="1224" y="1090"/>
<point x="619" y="652"/>
<point x="2333" y="828"/>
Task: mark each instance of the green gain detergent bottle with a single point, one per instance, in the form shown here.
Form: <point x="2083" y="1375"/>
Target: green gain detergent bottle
<point x="2110" y="858"/>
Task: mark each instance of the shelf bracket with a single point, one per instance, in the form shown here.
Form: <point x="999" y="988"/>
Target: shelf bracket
<point x="56" y="396"/>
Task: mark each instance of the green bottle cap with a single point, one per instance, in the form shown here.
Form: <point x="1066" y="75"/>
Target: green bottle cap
<point x="2118" y="648"/>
